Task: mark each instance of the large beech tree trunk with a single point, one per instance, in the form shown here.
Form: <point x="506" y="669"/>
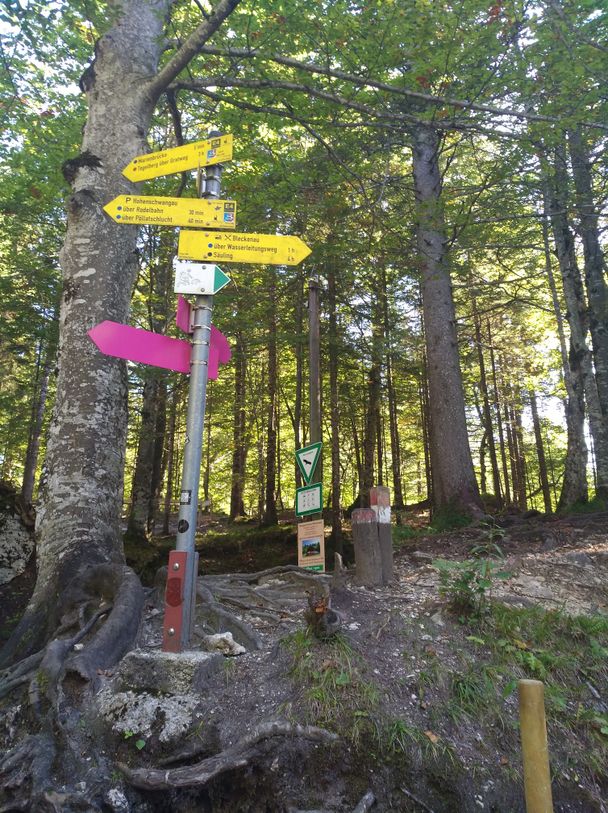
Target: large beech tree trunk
<point x="595" y="264"/>
<point x="576" y="456"/>
<point x="454" y="484"/>
<point x="79" y="519"/>
<point x="583" y="386"/>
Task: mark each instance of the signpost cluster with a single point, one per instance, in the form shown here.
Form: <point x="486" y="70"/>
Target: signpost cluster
<point x="309" y="500"/>
<point x="197" y="274"/>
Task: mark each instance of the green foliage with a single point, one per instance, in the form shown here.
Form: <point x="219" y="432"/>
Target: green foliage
<point x="568" y="653"/>
<point x="590" y="507"/>
<point x="468" y="584"/>
<point x="330" y="678"/>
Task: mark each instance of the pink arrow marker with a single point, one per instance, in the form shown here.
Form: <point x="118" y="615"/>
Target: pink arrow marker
<point x="145" y="347"/>
<point x="134" y="344"/>
<point x="182" y="317"/>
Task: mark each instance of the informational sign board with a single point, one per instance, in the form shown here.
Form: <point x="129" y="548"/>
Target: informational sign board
<point x="157" y="211"/>
<point x="198" y="278"/>
<point x="311" y="545"/>
<point x="237" y="247"/>
<point x="307" y="459"/>
<point x="180" y="159"/>
<point x="309" y="500"/>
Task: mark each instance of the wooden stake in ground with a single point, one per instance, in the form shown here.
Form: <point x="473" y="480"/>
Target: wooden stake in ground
<point x="537" y="778"/>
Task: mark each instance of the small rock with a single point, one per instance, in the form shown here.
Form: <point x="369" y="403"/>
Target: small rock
<point x="438" y="619"/>
<point x="171" y="672"/>
<point x="223" y="642"/>
<point x="421" y="556"/>
<point x="581" y="559"/>
<point x="117" y="801"/>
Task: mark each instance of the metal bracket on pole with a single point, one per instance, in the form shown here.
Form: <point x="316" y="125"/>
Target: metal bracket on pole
<point x="174" y="600"/>
<point x="177" y="633"/>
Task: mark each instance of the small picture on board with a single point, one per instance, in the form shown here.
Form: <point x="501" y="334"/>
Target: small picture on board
<point x="311" y="547"/>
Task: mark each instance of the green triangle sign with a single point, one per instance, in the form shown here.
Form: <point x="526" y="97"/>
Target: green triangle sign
<point x="220" y="280"/>
<point x="307" y="459"/>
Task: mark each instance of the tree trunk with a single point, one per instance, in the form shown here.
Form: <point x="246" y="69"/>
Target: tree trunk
<point x="425" y="418"/>
<point x="581" y="380"/>
<point x="33" y="444"/>
<point x="574" y="423"/>
<point x="206" y="506"/>
<point x="482" y="462"/>
<point x="501" y="433"/>
<point x="237" y="505"/>
<point x="79" y="518"/>
<point x="270" y="507"/>
<point x="170" y="460"/>
<point x="392" y="399"/>
<point x="454" y="485"/>
<point x="540" y="453"/>
<point x="142" y="501"/>
<point x="334" y="410"/>
<point x="370" y="437"/>
<point x="597" y="298"/>
<point x="487" y="414"/>
<point x="520" y="457"/>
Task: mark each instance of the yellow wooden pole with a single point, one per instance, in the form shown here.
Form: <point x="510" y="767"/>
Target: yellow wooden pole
<point x="537" y="778"/>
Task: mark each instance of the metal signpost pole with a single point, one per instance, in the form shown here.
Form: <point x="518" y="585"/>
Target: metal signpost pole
<point x="199" y="360"/>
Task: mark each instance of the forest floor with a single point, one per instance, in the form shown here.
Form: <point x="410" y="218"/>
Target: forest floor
<point x="420" y="690"/>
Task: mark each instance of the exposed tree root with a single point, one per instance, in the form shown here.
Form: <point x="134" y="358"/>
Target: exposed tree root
<point x="117" y="636"/>
<point x="222" y="620"/>
<point x="291" y="572"/>
<point x="365" y="803"/>
<point x="239" y="755"/>
<point x="274" y="601"/>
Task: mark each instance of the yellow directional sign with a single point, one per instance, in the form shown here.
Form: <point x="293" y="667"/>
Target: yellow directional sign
<point x="140" y="209"/>
<point x="271" y="249"/>
<point x="180" y="159"/>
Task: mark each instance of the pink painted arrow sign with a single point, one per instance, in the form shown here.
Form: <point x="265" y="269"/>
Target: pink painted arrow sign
<point x="145" y="347"/>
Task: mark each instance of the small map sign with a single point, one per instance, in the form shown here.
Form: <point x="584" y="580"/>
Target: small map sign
<point x="180" y="159"/>
<point x="143" y="209"/>
<point x="307" y="459"/>
<point x="311" y="545"/>
<point x="237" y="247"/>
<point x="309" y="500"/>
<point x="198" y="278"/>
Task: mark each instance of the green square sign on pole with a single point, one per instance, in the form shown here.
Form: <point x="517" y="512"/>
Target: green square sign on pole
<point x="307" y="459"/>
<point x="309" y="500"/>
